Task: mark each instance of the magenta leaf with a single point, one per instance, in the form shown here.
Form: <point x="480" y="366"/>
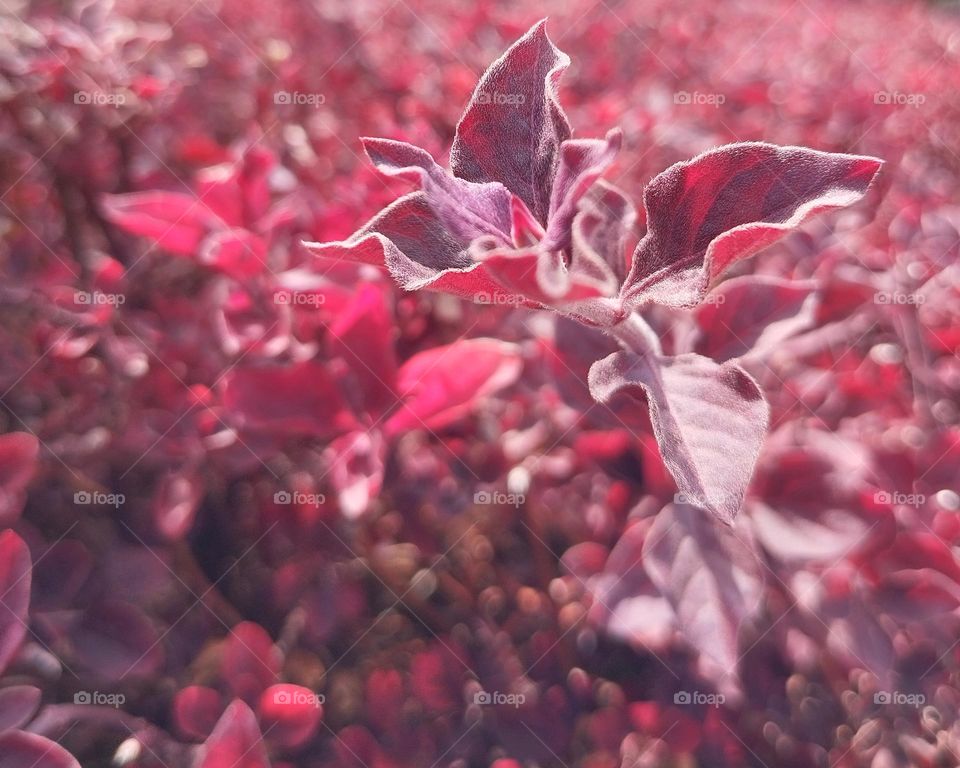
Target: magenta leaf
<point x="709" y="421"/>
<point x="116" y="640"/>
<point x="299" y="399"/>
<point x="726" y="205"/>
<point x="235" y="252"/>
<point x="18" y="703"/>
<point x="27" y="750"/>
<point x="513" y="127"/>
<point x="752" y="315"/>
<point x="356" y="469"/>
<point x="15" y="578"/>
<point x="196" y="710"/>
<point x="600" y="234"/>
<point x="176" y="222"/>
<point x="290" y="714"/>
<point x="441" y="384"/>
<point x="711" y="576"/>
<point x="236" y="742"/>
<point x="18" y="459"/>
<point x="420" y="253"/>
<point x="467" y="210"/>
<point x="251" y="662"/>
<point x="582" y="162"/>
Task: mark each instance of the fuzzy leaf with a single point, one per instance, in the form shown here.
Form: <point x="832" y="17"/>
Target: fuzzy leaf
<point x="513" y="127"/>
<point x="710" y="575"/>
<point x="726" y="205"/>
<point x="709" y="421"/>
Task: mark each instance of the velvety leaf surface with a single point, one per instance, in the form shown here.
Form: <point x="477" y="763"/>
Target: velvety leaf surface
<point x="513" y="127"/>
<point x="710" y="575"/>
<point x="709" y="421"/>
<point x="726" y="205"/>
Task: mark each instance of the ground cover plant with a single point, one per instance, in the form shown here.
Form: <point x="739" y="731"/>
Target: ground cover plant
<point x="601" y="412"/>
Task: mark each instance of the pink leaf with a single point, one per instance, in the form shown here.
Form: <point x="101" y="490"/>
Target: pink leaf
<point x="513" y="127"/>
<point x="116" y="640"/>
<point x="236" y="742"/>
<point x="18" y="460"/>
<point x="236" y="252"/>
<point x="300" y="399"/>
<point x="726" y="205"/>
<point x="467" y="210"/>
<point x="582" y="162"/>
<point x="441" y="384"/>
<point x="290" y="714"/>
<point x="753" y="315"/>
<point x="410" y="240"/>
<point x="356" y="469"/>
<point x="709" y="421"/>
<point x="600" y="233"/>
<point x="363" y="335"/>
<point x="27" y="750"/>
<point x="251" y="662"/>
<point x="710" y="575"/>
<point x="196" y="710"/>
<point x="15" y="578"/>
<point x="175" y="222"/>
<point x="18" y="703"/>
